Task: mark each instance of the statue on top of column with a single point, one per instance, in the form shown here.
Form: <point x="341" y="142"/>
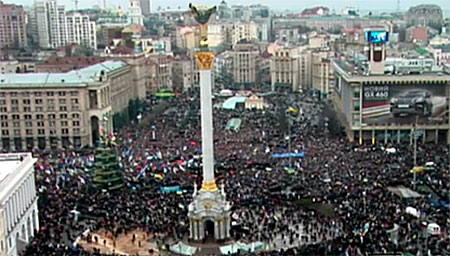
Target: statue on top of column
<point x="201" y="15"/>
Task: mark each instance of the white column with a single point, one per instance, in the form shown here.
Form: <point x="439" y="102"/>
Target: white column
<point x="216" y="229"/>
<point x="36" y="217"/>
<point x="207" y="126"/>
<point x="8" y="217"/>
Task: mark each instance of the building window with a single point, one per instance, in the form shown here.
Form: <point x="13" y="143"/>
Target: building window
<point x="51" y="116"/>
<point x="16" y="132"/>
<point x="4" y="124"/>
<point x="52" y="132"/>
<point x="74" y="101"/>
<point x="2" y="102"/>
<point x="65" y="131"/>
<point x="41" y="132"/>
<point x="28" y="124"/>
<point x="356" y="106"/>
<point x="26" y="109"/>
<point x="76" y="130"/>
<point x="26" y="101"/>
<point x="40" y="123"/>
<point x="64" y="123"/>
<point x="50" y="101"/>
<point x="27" y="117"/>
<point x="76" y="123"/>
<point x="14" y="102"/>
<point x="356" y="93"/>
<point x="74" y="93"/>
<point x="13" y="94"/>
<point x="5" y="117"/>
<point x="29" y="131"/>
<point x="37" y="94"/>
<point x="62" y="93"/>
<point x="51" y="123"/>
<point x="5" y="132"/>
<point x="51" y="108"/>
<point x="74" y="116"/>
<point x="62" y="108"/>
<point x="16" y="117"/>
<point x="38" y="101"/>
<point x="63" y="116"/>
<point x="3" y="109"/>
<point x="50" y="94"/>
<point x="62" y="101"/>
<point x="16" y="124"/>
<point x="39" y="109"/>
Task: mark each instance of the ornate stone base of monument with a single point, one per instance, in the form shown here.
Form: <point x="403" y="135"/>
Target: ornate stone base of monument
<point x="209" y="215"/>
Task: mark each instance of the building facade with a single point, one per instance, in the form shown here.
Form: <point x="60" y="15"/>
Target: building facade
<point x="53" y="110"/>
<point x="19" y="218"/>
<point x="322" y="73"/>
<point x="50" y="24"/>
<point x="245" y="66"/>
<point x="81" y="31"/>
<point x="424" y="15"/>
<point x="291" y="67"/>
<point x="146" y="7"/>
<point x="13" y="32"/>
<point x="135" y="13"/>
<point x="388" y="108"/>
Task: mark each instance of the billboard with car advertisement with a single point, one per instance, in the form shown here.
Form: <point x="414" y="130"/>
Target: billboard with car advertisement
<point x="403" y="104"/>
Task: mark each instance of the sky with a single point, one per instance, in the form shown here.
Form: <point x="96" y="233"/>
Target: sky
<point x="294" y="5"/>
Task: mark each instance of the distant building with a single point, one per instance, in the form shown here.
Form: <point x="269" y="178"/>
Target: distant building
<point x="223" y="68"/>
<point x="66" y="64"/>
<point x="81" y="31"/>
<point x="135" y="13"/>
<point x="323" y="73"/>
<point x="54" y="110"/>
<point x="13" y="32"/>
<point x="424" y="15"/>
<point x="50" y="24"/>
<point x="316" y="11"/>
<point x="416" y="34"/>
<point x="182" y="72"/>
<point x="245" y="66"/>
<point x="19" y="219"/>
<point x="146" y="7"/>
<point x="254" y="102"/>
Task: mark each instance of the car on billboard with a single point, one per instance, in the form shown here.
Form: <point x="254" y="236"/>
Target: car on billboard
<point x="414" y="102"/>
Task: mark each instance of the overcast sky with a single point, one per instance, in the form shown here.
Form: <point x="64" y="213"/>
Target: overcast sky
<point x="383" y="5"/>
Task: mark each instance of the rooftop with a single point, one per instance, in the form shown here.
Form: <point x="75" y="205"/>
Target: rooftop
<point x="71" y="61"/>
<point x="352" y="71"/>
<point x="11" y="166"/>
<point x="77" y="78"/>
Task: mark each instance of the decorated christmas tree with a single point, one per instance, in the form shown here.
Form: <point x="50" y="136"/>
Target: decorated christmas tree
<point x="107" y="170"/>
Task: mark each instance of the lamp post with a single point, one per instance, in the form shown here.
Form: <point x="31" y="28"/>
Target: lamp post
<point x="415" y="134"/>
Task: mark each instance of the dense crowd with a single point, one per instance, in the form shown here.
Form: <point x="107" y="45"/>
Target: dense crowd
<point x="334" y="200"/>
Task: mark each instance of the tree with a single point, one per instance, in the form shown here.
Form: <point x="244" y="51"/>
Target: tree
<point x="107" y="170"/>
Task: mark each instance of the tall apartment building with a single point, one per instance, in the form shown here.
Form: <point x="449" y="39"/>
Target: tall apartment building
<point x="43" y="110"/>
<point x="182" y="72"/>
<point x="223" y="67"/>
<point x="53" y="28"/>
<point x="231" y="32"/>
<point x="146" y="6"/>
<point x="245" y="67"/>
<point x="50" y="22"/>
<point x="163" y="70"/>
<point x="19" y="217"/>
<point x="291" y="67"/>
<point x="13" y="32"/>
<point x="81" y="30"/>
<point x="135" y="13"/>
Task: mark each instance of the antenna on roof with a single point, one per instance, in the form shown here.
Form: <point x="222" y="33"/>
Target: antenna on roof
<point x="398" y="6"/>
<point x="76" y="4"/>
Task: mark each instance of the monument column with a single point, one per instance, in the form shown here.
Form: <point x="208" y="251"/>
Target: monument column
<point x="204" y="60"/>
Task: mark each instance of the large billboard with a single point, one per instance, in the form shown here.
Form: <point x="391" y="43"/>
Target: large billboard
<point x="404" y="104"/>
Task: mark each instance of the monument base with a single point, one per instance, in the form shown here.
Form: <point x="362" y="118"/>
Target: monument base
<point x="209" y="216"/>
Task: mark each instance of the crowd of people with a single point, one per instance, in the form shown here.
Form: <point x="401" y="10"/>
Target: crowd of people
<point x="332" y="201"/>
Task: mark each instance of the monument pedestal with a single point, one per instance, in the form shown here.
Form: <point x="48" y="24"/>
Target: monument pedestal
<point x="209" y="216"/>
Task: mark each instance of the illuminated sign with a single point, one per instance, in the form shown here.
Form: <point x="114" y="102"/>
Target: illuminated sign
<point x="377" y="36"/>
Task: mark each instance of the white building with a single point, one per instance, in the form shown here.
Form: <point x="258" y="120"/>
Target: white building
<point x="81" y="30"/>
<point x="50" y="24"/>
<point x="18" y="202"/>
<point x="135" y="13"/>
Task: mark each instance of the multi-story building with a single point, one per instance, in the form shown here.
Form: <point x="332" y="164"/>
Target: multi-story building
<point x="19" y="217"/>
<point x="81" y="31"/>
<point x="135" y="13"/>
<point x="245" y="66"/>
<point x="322" y="73"/>
<point x="182" y="72"/>
<point x="232" y="32"/>
<point x="223" y="70"/>
<point x="424" y="15"/>
<point x="291" y="67"/>
<point x="163" y="70"/>
<point x="441" y="54"/>
<point x="50" y="24"/>
<point x="187" y="37"/>
<point x="13" y="32"/>
<point x="378" y="107"/>
<point x="62" y="109"/>
<point x="146" y="7"/>
<point x="9" y="66"/>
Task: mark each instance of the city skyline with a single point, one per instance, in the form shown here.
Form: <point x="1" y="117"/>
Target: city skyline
<point x="387" y="5"/>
